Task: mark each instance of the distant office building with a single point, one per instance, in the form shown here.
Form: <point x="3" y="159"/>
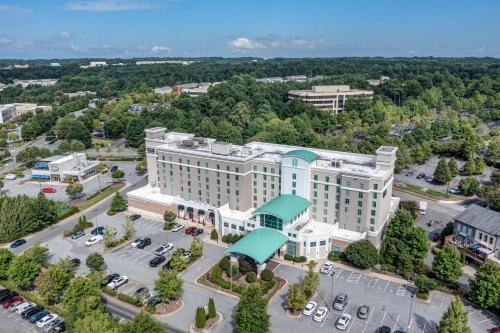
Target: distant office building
<point x="80" y="94"/>
<point x="379" y="81"/>
<point x="156" y="62"/>
<point x="136" y="108"/>
<point x="15" y="110"/>
<point x="61" y="168"/>
<point x="269" y="79"/>
<point x="298" y="78"/>
<point x="163" y="90"/>
<point x="328" y="98"/>
<point x="55" y="64"/>
<point x="193" y="89"/>
<point x="320" y="200"/>
<point x="35" y="82"/>
<point x="21" y="66"/>
<point x="93" y="64"/>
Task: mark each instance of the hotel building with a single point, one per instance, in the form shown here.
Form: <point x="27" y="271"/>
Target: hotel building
<point x="328" y="98"/>
<point x="319" y="199"/>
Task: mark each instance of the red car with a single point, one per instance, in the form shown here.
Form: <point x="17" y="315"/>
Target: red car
<point x="495" y="330"/>
<point x="190" y="230"/>
<point x="9" y="303"/>
<point x="49" y="190"/>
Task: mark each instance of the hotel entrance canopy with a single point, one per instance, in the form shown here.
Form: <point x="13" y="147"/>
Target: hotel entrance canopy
<point x="259" y="244"/>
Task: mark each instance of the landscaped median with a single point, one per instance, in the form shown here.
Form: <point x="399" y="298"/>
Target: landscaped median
<point x="98" y="196"/>
<point x="426" y="192"/>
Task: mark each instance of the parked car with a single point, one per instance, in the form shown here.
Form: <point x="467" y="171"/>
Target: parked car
<point x="78" y="234"/>
<point x="7" y="297"/>
<point x="98" y="231"/>
<point x="309" y="308"/>
<point x="189" y="230"/>
<point x="13" y="306"/>
<point x="363" y="311"/>
<point x="144" y="242"/>
<point x="4" y="292"/>
<point x="114" y="168"/>
<point x="17" y="243"/>
<point x="177" y="227"/>
<point x="421" y="175"/>
<point x="186" y="255"/>
<point x="383" y="329"/>
<point x="93" y="240"/>
<point x="76" y="262"/>
<point x="141" y="293"/>
<point x="343" y="321"/>
<point x="134" y="217"/>
<point x="157" y="261"/>
<point x="10" y="176"/>
<point x="60" y="328"/>
<point x="454" y="190"/>
<point x="110" y="278"/>
<point x="49" y="190"/>
<point x="136" y="242"/>
<point x="197" y="232"/>
<point x="164" y="249"/>
<point x="40" y="314"/>
<point x="340" y="302"/>
<point x="320" y="314"/>
<point x="12" y="301"/>
<point x="46" y="320"/>
<point x="21" y="308"/>
<point x="495" y="329"/>
<point x="54" y="323"/>
<point x="326" y="268"/>
<point x="409" y="173"/>
<point x="32" y="311"/>
<point x="116" y="282"/>
<point x="429" y="179"/>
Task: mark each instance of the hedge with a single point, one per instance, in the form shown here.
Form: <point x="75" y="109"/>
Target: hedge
<point x="109" y="291"/>
<point x="296" y="259"/>
<point x="75" y="228"/>
<point x="129" y="299"/>
<point x="251" y="277"/>
<point x="267" y="274"/>
<point x="67" y="213"/>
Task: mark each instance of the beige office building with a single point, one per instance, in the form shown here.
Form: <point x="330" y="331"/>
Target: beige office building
<point x="320" y="199"/>
<point x="328" y="98"/>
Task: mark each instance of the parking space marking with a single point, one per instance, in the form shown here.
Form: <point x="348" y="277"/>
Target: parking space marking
<point x="401" y="290"/>
<point x="326" y="318"/>
<point x="442" y="300"/>
<point x="395" y="324"/>
<point x="336" y="272"/>
<point x="383" y="318"/>
<point x="368" y="319"/>
<point x="354" y="277"/>
<point x="425" y="325"/>
<point x="373" y="282"/>
<point x="387" y="285"/>
<point x="352" y="324"/>
<point x="485" y="320"/>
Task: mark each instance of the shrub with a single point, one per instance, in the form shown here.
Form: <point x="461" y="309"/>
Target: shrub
<point x="200" y="320"/>
<point x="245" y="266"/>
<point x="108" y="291"/>
<point x="425" y="284"/>
<point x="288" y="257"/>
<point x="224" y="264"/>
<point x="251" y="277"/>
<point x="265" y="286"/>
<point x="94" y="261"/>
<point x="334" y="256"/>
<point x="238" y="289"/>
<point x="129" y="299"/>
<point x="300" y="259"/>
<point x="361" y="254"/>
<point x="212" y="313"/>
<point x="214" y="235"/>
<point x="267" y="275"/>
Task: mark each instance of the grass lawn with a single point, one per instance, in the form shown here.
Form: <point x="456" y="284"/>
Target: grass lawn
<point x="103" y="142"/>
<point x="100" y="196"/>
<point x="428" y="192"/>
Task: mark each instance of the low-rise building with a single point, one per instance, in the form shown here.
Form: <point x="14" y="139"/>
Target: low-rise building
<point x="35" y="82"/>
<point x="93" y="64"/>
<point x="163" y="90"/>
<point x="329" y="98"/>
<point x="379" y="81"/>
<point x="54" y="64"/>
<point x="477" y="233"/>
<point x="15" y="110"/>
<point x="74" y="167"/>
<point x="80" y="94"/>
<point x="320" y="200"/>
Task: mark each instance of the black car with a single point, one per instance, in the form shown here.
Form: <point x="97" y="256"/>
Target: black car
<point x="114" y="168"/>
<point x="97" y="231"/>
<point x="110" y="278"/>
<point x="157" y="261"/>
<point x="60" y="328"/>
<point x="383" y="329"/>
<point x="421" y="175"/>
<point x="4" y="292"/>
<point x="168" y="265"/>
<point x="76" y="262"/>
<point x="7" y="297"/>
<point x="144" y="242"/>
<point x="32" y="311"/>
<point x="134" y="217"/>
<point x="197" y="232"/>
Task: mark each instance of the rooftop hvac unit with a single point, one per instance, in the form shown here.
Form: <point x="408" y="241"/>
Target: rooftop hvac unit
<point x="337" y="163"/>
<point x="189" y="143"/>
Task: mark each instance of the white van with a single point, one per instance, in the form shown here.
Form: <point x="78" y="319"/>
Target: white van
<point x="10" y="176"/>
<point x="422" y="209"/>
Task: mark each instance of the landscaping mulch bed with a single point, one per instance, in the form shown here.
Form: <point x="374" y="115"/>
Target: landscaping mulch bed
<point x="170" y="307"/>
<point x="209" y="325"/>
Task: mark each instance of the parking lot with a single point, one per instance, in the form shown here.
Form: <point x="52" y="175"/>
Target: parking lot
<point x="13" y="323"/>
<point x="90" y="186"/>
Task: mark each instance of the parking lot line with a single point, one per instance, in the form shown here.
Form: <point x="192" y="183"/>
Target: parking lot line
<point x="442" y="300"/>
<point x="401" y="290"/>
<point x="385" y="314"/>
<point x="387" y="285"/>
<point x="373" y="282"/>
<point x="485" y="320"/>
<point x="326" y="318"/>
<point x="395" y="324"/>
<point x="425" y="324"/>
<point x="368" y="319"/>
<point x="352" y="324"/>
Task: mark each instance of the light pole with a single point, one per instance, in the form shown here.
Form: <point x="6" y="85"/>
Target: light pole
<point x="331" y="292"/>
<point x="411" y="309"/>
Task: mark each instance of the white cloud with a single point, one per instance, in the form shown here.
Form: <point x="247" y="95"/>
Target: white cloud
<point x="5" y="40"/>
<point x="110" y="5"/>
<point x="65" y="34"/>
<point x="244" y="43"/>
<point x="13" y="9"/>
<point x="160" y="49"/>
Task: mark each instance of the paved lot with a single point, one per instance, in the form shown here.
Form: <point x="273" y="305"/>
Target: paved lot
<point x="91" y="185"/>
<point x="13" y="323"/>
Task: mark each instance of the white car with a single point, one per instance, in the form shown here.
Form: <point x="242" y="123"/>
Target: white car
<point x="177" y="227"/>
<point x="327" y="267"/>
<point x="320" y="314"/>
<point x="343" y="321"/>
<point x="136" y="242"/>
<point x="454" y="190"/>
<point x="13" y="307"/>
<point x="46" y="320"/>
<point x="116" y="282"/>
<point x="309" y="309"/>
<point x="10" y="176"/>
<point x="186" y="255"/>
<point x="25" y="306"/>
<point x="164" y="249"/>
<point x="93" y="240"/>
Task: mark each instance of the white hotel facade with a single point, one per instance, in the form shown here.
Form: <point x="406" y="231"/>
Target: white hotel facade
<point x="320" y="199"/>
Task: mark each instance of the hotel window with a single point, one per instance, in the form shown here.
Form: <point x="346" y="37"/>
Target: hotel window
<point x="337" y="190"/>
<point x="265" y="169"/>
<point x="312" y="244"/>
<point x="346" y="210"/>
<point x="373" y="212"/>
<point x="315" y="193"/>
<point x="360" y="212"/>
<point x="326" y="187"/>
<point x="375" y="187"/>
<point x="294" y="184"/>
<point x="228" y="191"/>
<point x="315" y="201"/>
<point x="264" y="177"/>
<point x="360" y="195"/>
<point x="218" y="167"/>
<point x="325" y="203"/>
<point x="315" y="186"/>
<point x="358" y="220"/>
<point x="322" y="243"/>
<point x="226" y="224"/>
<point x="372" y="229"/>
<point x="374" y="204"/>
<point x="294" y="192"/>
<point x="337" y="205"/>
<point x="228" y="183"/>
<point x="272" y="194"/>
<point x="374" y="195"/>
<point x="358" y="228"/>
<point x="338" y="180"/>
<point x="233" y="226"/>
<point x="294" y="176"/>
<point x="372" y="221"/>
<point x="264" y="185"/>
<point x="347" y="201"/>
<point x="314" y="209"/>
<point x="255" y="190"/>
<point x="272" y="171"/>
<point x="241" y="228"/>
<point x="272" y="186"/>
<point x="348" y="184"/>
<point x="325" y="195"/>
<point x="315" y="177"/>
<point x="325" y="212"/>
<point x="361" y="186"/>
<point x="360" y="203"/>
<point x="237" y="177"/>
<point x="294" y="162"/>
<point x="325" y="220"/>
<point x="254" y="183"/>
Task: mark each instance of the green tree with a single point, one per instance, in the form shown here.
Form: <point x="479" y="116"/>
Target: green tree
<point x="453" y="167"/>
<point x="128" y="228"/>
<point x="81" y="298"/>
<point x="109" y="237"/>
<point x="96" y="322"/>
<point x="447" y="263"/>
<point x="178" y="263"/>
<point x="169" y="216"/>
<point x="200" y="320"/>
<point x="30" y="130"/>
<point x="23" y="271"/>
<point x="118" y="204"/>
<point x="311" y="280"/>
<point x="296" y="299"/>
<point x="95" y="261"/>
<point x="425" y="284"/>
<point x="6" y="257"/>
<point x="251" y="314"/>
<point x="491" y="194"/>
<point x="31" y="154"/>
<point x="468" y="185"/>
<point x="69" y="128"/>
<point x="169" y="285"/>
<point x="38" y="253"/>
<point x="51" y="283"/>
<point x="214" y="235"/>
<point x="142" y="323"/>
<point x="362" y="254"/>
<point x="134" y="132"/>
<point x="454" y="320"/>
<point x="485" y="287"/>
<point x="113" y="128"/>
<point x="442" y="172"/>
<point x="196" y="248"/>
<point x="117" y="175"/>
<point x="76" y="145"/>
<point x="74" y="189"/>
<point x="212" y="313"/>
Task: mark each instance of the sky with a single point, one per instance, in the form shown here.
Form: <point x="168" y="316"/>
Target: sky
<point x="36" y="29"/>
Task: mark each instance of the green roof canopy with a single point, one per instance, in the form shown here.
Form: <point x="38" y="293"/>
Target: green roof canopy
<point x="259" y="244"/>
<point x="286" y="207"/>
<point x="307" y="155"/>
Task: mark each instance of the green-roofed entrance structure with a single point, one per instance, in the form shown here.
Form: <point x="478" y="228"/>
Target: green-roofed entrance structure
<point x="281" y="211"/>
<point x="260" y="244"/>
<point x="304" y="154"/>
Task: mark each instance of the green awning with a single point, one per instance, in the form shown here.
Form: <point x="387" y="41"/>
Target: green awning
<point x="304" y="154"/>
<point x="259" y="244"/>
<point x="286" y="207"/>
